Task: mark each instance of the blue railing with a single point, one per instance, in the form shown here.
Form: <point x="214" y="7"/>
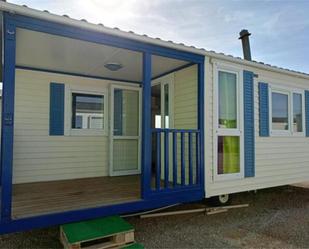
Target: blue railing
<point x="179" y="166"/>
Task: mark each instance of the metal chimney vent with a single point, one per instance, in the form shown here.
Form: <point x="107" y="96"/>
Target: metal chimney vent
<point x="244" y="36"/>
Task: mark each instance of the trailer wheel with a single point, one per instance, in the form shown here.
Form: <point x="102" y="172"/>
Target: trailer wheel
<point x="220" y="200"/>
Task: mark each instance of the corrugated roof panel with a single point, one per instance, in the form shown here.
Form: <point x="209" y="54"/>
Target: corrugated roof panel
<point x="3" y="4"/>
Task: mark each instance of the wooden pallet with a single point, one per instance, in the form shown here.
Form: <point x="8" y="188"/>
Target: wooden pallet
<point x="79" y="236"/>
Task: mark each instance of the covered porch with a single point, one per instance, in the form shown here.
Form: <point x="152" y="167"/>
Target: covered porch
<point x="31" y="199"/>
<point x="139" y="150"/>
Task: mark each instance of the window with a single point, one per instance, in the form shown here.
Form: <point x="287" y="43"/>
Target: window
<point x="227" y="91"/>
<point x="87" y="111"/>
<point x="287" y="111"/>
<point x="228" y="132"/>
<point x="228" y="155"/>
<point x="297" y="112"/>
<point x="280" y="111"/>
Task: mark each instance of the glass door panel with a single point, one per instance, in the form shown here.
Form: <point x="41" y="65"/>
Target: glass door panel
<point x="125" y="131"/>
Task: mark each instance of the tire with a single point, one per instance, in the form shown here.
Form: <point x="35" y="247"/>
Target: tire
<point x="220" y="200"/>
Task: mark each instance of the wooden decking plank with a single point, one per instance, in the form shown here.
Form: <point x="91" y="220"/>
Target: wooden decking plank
<point x="31" y="199"/>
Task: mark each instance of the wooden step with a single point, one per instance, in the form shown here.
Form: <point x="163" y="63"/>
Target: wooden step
<point x="109" y="232"/>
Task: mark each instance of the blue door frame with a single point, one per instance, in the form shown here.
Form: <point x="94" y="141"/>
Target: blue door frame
<point x="149" y="200"/>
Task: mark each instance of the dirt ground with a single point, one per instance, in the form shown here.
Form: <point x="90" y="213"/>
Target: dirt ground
<point x="276" y="218"/>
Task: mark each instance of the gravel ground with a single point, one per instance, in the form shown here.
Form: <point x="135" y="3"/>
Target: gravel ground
<point x="276" y="218"/>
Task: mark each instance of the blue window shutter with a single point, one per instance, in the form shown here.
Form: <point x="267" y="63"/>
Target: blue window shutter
<point x="264" y="109"/>
<point x="307" y="112"/>
<point x="56" y="109"/>
<point x="249" y="141"/>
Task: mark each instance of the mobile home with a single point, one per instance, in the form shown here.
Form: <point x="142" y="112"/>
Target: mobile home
<point x="97" y="121"/>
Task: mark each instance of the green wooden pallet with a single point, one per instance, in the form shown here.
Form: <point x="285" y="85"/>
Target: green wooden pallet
<point x="133" y="246"/>
<point x="105" y="232"/>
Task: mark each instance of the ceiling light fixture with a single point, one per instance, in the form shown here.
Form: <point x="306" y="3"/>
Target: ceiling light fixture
<point x="113" y="66"/>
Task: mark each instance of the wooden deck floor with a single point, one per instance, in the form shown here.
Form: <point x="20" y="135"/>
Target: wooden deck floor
<point x="31" y="199"/>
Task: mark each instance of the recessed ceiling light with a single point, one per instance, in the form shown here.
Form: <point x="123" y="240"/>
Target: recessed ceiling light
<point x="113" y="66"/>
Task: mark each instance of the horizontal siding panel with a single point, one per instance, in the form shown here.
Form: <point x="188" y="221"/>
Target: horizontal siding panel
<point x="274" y="156"/>
<point x="71" y="175"/>
<point x="57" y="161"/>
<point x="52" y="144"/>
<point x="65" y="170"/>
<point x="77" y="154"/>
<point x="60" y="149"/>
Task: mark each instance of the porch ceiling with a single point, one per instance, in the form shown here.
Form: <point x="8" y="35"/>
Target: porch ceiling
<point x="44" y="51"/>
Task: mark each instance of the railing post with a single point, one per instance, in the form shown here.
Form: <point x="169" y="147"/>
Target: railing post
<point x="158" y="163"/>
<point x="146" y="126"/>
<point x="175" y="159"/>
<point x="197" y="137"/>
<point x="183" y="169"/>
<point x="166" y="158"/>
<point x="190" y="158"/>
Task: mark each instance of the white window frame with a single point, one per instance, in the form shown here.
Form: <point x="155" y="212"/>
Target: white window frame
<point x="69" y="131"/>
<point x="166" y="80"/>
<point x="238" y="131"/>
<point x="113" y="137"/>
<point x="285" y="92"/>
<point x="288" y="91"/>
<point x="302" y="93"/>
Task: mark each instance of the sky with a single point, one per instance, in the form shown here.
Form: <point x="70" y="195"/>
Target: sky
<point x="280" y="28"/>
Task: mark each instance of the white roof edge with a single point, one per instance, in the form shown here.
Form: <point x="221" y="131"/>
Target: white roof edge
<point x="23" y="10"/>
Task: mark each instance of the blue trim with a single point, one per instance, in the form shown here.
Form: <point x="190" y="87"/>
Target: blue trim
<point x="201" y="125"/>
<point x="56" y="109"/>
<point x="74" y="74"/>
<point x="174" y="70"/>
<point x="151" y="199"/>
<point x="101" y="38"/>
<point x="249" y="144"/>
<point x="146" y="125"/>
<point x="91" y="213"/>
<point x="263" y="109"/>
<point x="307" y="112"/>
<point x="7" y="131"/>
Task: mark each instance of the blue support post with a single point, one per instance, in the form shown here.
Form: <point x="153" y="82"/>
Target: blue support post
<point x="146" y="126"/>
<point x="7" y="132"/>
<point x="201" y="112"/>
<point x="174" y="159"/>
<point x="166" y="159"/>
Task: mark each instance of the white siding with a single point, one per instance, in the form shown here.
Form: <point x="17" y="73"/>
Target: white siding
<point x="185" y="98"/>
<point x="279" y="160"/>
<point x="40" y="157"/>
